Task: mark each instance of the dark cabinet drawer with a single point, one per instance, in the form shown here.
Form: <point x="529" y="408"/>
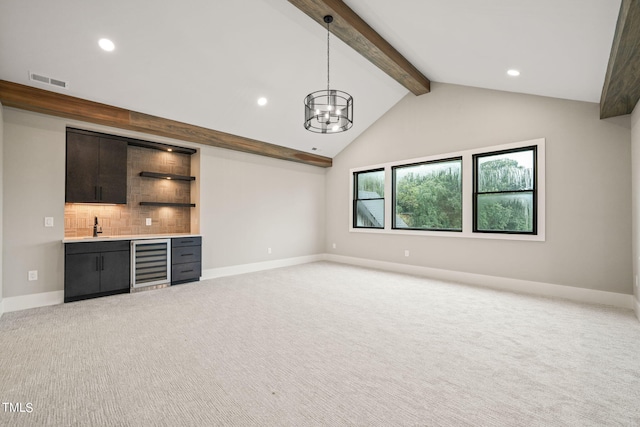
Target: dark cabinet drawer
<point x="186" y="254"/>
<point x="87" y="247"/>
<point x="187" y="272"/>
<point x="186" y="241"/>
<point x="186" y="259"/>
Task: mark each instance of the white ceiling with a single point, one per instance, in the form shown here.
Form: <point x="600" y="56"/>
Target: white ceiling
<point x="206" y="62"/>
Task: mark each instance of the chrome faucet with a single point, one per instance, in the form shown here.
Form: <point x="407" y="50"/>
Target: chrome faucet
<point x="95" y="227"/>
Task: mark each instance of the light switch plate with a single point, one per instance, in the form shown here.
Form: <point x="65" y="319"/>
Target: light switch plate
<point x="148" y="221"/>
<point x="48" y="221"/>
<point x="33" y="275"/>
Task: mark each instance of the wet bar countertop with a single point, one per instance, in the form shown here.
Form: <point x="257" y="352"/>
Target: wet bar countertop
<point x="102" y="238"/>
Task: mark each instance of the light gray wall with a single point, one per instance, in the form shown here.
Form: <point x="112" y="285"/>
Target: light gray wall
<point x="34" y="158"/>
<point x="588" y="209"/>
<point x="635" y="199"/>
<point x="251" y="203"/>
<point x="247" y="203"/>
<point x="1" y="199"/>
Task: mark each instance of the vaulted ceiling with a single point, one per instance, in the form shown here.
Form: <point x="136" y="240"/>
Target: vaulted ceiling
<point x="205" y="63"/>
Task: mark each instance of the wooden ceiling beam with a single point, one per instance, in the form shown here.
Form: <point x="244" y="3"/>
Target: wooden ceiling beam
<point x="355" y="32"/>
<point x="55" y="104"/>
<point x="621" y="90"/>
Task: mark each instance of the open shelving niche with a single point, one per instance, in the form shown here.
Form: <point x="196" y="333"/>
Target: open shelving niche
<point x="169" y="176"/>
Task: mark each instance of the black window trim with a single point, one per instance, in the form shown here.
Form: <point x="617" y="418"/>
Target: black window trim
<point x="534" y="192"/>
<point x="354" y="219"/>
<point x="393" y="194"/>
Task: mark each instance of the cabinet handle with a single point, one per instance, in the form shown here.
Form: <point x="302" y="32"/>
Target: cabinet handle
<point x="186" y="271"/>
<point x="186" y="241"/>
<point x="102" y="262"/>
<point x="186" y="255"/>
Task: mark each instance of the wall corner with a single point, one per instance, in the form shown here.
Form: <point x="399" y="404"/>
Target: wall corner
<point x="635" y="205"/>
<point x="1" y="207"/>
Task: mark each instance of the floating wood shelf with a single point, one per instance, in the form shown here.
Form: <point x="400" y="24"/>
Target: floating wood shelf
<point x="169" y="204"/>
<point x="167" y="176"/>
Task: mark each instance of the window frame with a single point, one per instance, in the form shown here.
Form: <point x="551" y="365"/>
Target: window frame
<point x="467" y="195"/>
<point x="427" y="162"/>
<point x="534" y="192"/>
<point x="354" y="206"/>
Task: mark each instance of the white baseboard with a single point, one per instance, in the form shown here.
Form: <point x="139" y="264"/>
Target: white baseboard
<point x="501" y="283"/>
<point x="24" y="302"/>
<point x="259" y="266"/>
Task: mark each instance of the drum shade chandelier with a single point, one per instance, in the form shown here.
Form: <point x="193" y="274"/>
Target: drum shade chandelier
<point x="331" y="110"/>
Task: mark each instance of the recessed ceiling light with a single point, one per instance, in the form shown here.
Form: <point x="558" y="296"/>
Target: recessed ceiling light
<point x="513" y="73"/>
<point x="262" y="101"/>
<point x="106" y="44"/>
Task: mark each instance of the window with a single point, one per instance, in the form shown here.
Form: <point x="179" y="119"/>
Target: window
<point x="428" y="195"/>
<point x="368" y="199"/>
<point x="504" y="196"/>
<point x="495" y="192"/>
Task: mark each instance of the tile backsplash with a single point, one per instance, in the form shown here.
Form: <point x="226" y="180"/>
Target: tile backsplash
<point x="118" y="220"/>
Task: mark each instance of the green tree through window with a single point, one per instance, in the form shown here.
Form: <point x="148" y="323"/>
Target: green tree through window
<point x="428" y="196"/>
<point x="504" y="191"/>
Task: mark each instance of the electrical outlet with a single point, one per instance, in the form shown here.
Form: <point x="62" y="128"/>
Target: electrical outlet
<point x="33" y="275"/>
<point x="268" y="250"/>
<point x="48" y="221"/>
<point x="406" y="252"/>
<point x="148" y="222"/>
<point x="334" y="246"/>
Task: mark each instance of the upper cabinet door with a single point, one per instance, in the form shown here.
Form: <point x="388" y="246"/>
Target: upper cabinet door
<point x="83" y="160"/>
<point x="112" y="178"/>
<point x="96" y="169"/>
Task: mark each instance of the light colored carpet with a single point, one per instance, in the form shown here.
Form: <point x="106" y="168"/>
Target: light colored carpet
<point x="321" y="344"/>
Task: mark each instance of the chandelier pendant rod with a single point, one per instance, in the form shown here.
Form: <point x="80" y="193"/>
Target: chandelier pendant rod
<point x="328" y="21"/>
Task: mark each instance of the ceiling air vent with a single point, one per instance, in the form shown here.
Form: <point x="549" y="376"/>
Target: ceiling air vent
<point x="48" y="80"/>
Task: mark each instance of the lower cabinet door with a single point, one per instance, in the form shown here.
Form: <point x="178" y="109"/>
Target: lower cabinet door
<point x="81" y="275"/>
<point x="115" y="273"/>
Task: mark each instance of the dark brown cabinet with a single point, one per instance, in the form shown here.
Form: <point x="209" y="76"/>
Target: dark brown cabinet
<point x="186" y="259"/>
<point x="96" y="169"/>
<point x="94" y="269"/>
